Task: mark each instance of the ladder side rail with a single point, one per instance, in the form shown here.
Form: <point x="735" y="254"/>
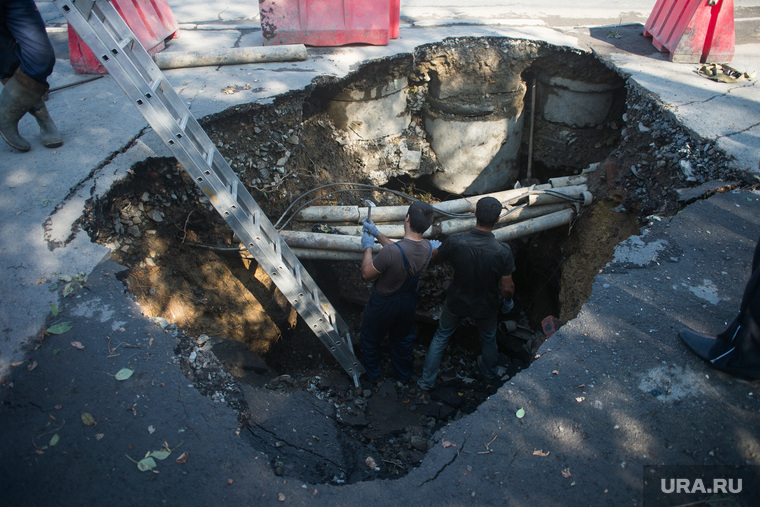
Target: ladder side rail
<point x="321" y="316"/>
<point x="308" y="284"/>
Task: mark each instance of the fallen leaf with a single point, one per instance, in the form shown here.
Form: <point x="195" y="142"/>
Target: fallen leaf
<point x="182" y="459"/>
<point x="566" y="473"/>
<point x="68" y="289"/>
<point x="146" y="464"/>
<point x="520" y="413"/>
<point x="555" y="372"/>
<point x="31" y="365"/>
<point x="229" y="482"/>
<point x="161" y="455"/>
<point x="54" y="440"/>
<point x="370" y="462"/>
<point x="59" y="328"/>
<point x="98" y="436"/>
<point x="151" y="429"/>
<point x="58" y="407"/>
<point x="579" y="399"/>
<point x="446" y="443"/>
<point x="77" y="345"/>
<point x="539" y="452"/>
<point x="123" y="374"/>
<point x="87" y="419"/>
<point x="17" y="363"/>
<point x="280" y="497"/>
<point x="39" y="451"/>
<point x="54" y="310"/>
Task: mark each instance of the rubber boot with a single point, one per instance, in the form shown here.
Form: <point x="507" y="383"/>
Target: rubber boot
<point x="19" y="95"/>
<point x="49" y="135"/>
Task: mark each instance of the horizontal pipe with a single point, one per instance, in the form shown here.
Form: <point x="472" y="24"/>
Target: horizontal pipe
<point x="303" y="239"/>
<point x="455" y="225"/>
<point x="230" y="56"/>
<point x="398" y="213"/>
<point x="535" y="225"/>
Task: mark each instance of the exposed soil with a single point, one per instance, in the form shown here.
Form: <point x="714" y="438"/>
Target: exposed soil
<point x="239" y="336"/>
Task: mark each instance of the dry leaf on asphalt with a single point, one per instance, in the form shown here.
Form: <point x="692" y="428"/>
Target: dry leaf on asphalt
<point x="123" y="374"/>
<point x="566" y="473"/>
<point x="87" y="419"/>
<point x="182" y="459"/>
<point x="77" y="345"/>
<point x="540" y="452"/>
<point x="31" y="365"/>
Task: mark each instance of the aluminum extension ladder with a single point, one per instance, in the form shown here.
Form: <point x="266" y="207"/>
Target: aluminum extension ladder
<point x="101" y="27"/>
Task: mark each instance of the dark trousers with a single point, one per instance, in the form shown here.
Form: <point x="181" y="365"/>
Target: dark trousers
<point x="24" y="42"/>
<point x="737" y="349"/>
<point x="393" y="316"/>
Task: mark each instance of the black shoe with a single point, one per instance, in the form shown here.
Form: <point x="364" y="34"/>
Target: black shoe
<point x="699" y="343"/>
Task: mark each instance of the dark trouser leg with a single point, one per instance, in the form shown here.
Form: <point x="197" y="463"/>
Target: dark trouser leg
<point x="402" y="335"/>
<point x="375" y="325"/>
<point x="24" y="32"/>
<point x="489" y="347"/>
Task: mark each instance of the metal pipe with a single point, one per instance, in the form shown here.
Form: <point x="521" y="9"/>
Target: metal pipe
<point x="532" y="124"/>
<point x="398" y="213"/>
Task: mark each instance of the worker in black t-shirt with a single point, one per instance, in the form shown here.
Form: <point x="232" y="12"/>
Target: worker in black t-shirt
<point x="483" y="268"/>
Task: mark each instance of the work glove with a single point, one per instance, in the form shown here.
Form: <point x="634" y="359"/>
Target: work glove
<point x="434" y="243"/>
<point x="367" y="241"/>
<point x="507" y="305"/>
<point x="370" y="227"/>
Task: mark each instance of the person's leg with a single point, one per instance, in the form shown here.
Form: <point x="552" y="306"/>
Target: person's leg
<point x="33" y="48"/>
<point x="489" y="348"/>
<point x="25" y="46"/>
<point x="8" y="59"/>
<point x="401" y="336"/>
<point x="373" y="330"/>
<point x="447" y="324"/>
<point x="737" y="349"/>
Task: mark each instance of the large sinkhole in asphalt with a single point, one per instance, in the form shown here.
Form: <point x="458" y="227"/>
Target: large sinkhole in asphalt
<point x="423" y="125"/>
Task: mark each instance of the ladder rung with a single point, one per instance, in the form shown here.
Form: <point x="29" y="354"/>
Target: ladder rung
<point x="126" y="41"/>
<point x="210" y="156"/>
<point x="183" y="121"/>
<point x="155" y="84"/>
<point x="234" y="189"/>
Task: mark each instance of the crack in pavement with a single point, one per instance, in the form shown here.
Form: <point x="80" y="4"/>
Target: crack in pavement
<point x="91" y="177"/>
<point x="445" y="465"/>
<point x="742" y="131"/>
<point x="276" y="436"/>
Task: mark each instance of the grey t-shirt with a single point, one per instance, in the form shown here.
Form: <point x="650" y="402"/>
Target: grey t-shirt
<point x="390" y="263"/>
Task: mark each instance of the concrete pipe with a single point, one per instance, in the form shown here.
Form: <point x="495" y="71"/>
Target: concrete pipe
<point x="230" y="56"/>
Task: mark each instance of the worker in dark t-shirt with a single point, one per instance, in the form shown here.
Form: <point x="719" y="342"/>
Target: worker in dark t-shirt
<point x="483" y="268"/>
<point x="393" y="303"/>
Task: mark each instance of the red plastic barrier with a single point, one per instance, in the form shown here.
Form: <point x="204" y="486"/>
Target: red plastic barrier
<point x="152" y="21"/>
<point x="693" y="30"/>
<point x="329" y="22"/>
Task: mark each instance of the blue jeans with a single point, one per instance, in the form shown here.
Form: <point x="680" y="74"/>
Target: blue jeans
<point x="24" y="42"/>
<point x="447" y="324"/>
